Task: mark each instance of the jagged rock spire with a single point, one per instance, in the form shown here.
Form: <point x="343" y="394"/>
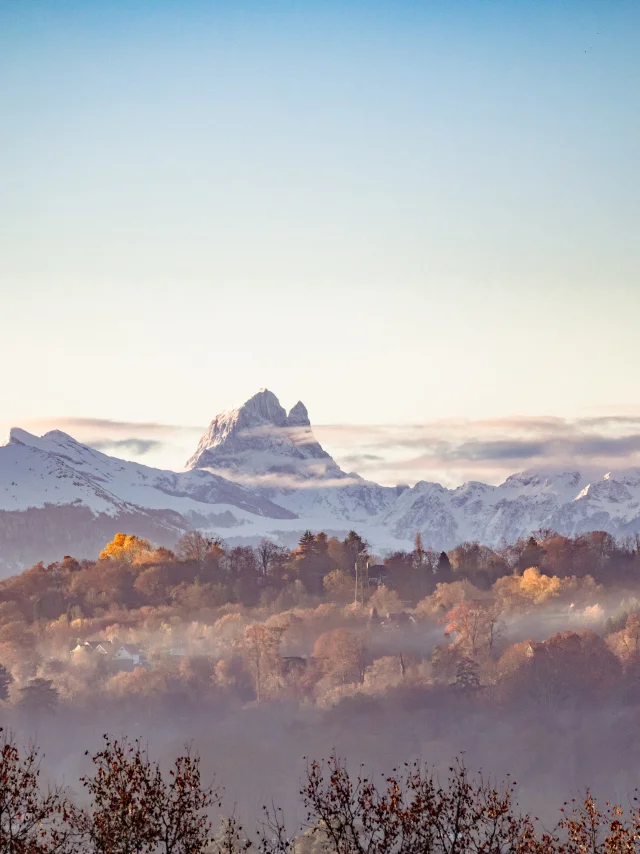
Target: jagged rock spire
<point x="259" y="439"/>
<point x="298" y="416"/>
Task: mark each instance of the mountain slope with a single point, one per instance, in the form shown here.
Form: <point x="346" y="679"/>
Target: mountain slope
<point x="56" y="469"/>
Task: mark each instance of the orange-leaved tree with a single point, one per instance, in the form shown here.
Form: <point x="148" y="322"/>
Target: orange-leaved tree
<point x="126" y="547"/>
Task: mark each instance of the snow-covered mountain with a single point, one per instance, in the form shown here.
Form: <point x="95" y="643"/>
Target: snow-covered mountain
<point x="259" y="444"/>
<point x="524" y="503"/>
<point x="56" y="493"/>
<point x="259" y="471"/>
<point x="56" y="469"/>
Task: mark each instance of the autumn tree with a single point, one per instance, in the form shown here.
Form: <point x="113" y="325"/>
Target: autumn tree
<point x="153" y="584"/>
<point x="192" y="598"/>
<point x="341" y="655"/>
<point x="478" y="563"/>
<point x="126" y="547"/>
<point x="262" y="649"/>
<point x="135" y="809"/>
<point x="447" y="596"/>
<point x="268" y="555"/>
<point x="337" y="555"/>
<point x="243" y="573"/>
<point x="626" y="642"/>
<point x="476" y="624"/>
<point x="339" y="585"/>
<point x="385" y="672"/>
<point x="31" y="821"/>
<point x="401" y="566"/>
<point x="569" y="667"/>
<point x="560" y="555"/>
<point x="385" y="601"/>
<point x="418" y="550"/>
<point x="519" y="592"/>
<point x="107" y="583"/>
<point x="194" y="546"/>
<point x="407" y="813"/>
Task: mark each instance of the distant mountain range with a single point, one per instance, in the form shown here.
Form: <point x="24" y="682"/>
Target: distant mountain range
<point x="259" y="471"/>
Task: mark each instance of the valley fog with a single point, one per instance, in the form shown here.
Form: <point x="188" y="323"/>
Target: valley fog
<point x="263" y="659"/>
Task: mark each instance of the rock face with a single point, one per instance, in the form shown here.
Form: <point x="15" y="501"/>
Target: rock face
<point x="259" y="442"/>
<point x="259" y="471"/>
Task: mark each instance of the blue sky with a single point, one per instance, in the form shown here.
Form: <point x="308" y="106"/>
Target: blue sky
<point x="402" y="213"/>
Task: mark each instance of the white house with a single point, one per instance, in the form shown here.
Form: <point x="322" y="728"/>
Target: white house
<point x="101" y="647"/>
<point x="130" y="652"/>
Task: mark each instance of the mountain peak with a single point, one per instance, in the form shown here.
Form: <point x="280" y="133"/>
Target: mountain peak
<point x="263" y="408"/>
<point x="298" y="416"/>
<point x="18" y="436"/>
<point x="53" y="440"/>
<point x="259" y="439"/>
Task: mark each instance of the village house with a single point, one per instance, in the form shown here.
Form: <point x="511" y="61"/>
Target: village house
<point x="118" y="656"/>
<point x="130" y="652"/>
<point x="100" y="647"/>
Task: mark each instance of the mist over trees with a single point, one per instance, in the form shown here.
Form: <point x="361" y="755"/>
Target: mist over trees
<point x="266" y="654"/>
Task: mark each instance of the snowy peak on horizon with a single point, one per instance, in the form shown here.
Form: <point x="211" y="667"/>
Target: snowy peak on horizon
<point x="260" y="442"/>
<point x="47" y="442"/>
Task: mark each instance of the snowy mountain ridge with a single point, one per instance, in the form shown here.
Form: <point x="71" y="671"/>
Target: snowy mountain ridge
<point x="259" y="471"/>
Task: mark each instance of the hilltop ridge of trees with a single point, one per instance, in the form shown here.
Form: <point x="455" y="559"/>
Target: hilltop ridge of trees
<point x="322" y="623"/>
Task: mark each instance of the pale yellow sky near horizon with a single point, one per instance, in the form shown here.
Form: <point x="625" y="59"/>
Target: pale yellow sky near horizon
<point x="401" y="215"/>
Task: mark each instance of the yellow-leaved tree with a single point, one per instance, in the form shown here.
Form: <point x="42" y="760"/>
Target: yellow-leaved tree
<point x="520" y="592"/>
<point x="126" y="547"/>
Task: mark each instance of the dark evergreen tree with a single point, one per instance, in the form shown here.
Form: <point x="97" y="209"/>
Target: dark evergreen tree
<point x="38" y="696"/>
<point x="532" y="555"/>
<point x="467" y="678"/>
<point x="5" y="680"/>
<point x="313" y="561"/>
<point x="355" y="547"/>
<point x="306" y="543"/>
<point x="444" y="572"/>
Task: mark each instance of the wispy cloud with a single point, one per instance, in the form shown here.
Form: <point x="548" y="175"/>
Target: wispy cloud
<point x="297" y="435"/>
<point x="283" y="480"/>
<point x="107" y="425"/>
<point x="485" y="449"/>
<point x="357" y="459"/>
<point x="138" y="447"/>
<point x="163" y="445"/>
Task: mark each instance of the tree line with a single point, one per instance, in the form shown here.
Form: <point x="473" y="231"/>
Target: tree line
<point x="131" y="573"/>
<point x="268" y="623"/>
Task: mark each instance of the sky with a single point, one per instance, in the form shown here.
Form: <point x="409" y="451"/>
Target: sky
<point x="420" y="218"/>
